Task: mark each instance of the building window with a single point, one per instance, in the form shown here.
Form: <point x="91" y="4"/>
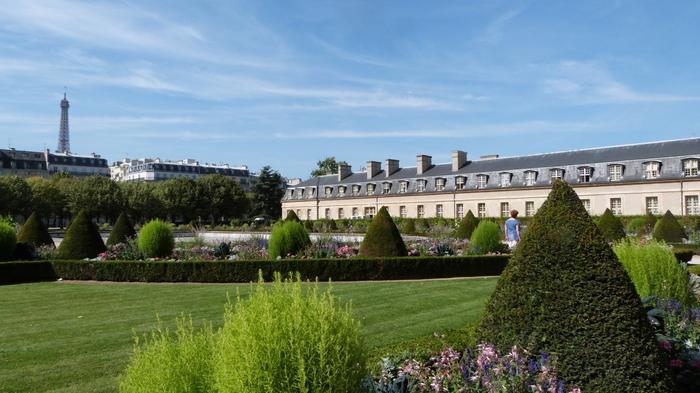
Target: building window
<point x="402" y="212"/>
<point x="616" y="206"/>
<point x="460" y="211"/>
<point x="584" y="174"/>
<point x="298" y="212"/>
<point x="386" y="188"/>
<point x="308" y="214"/>
<point x="329" y="192"/>
<point x="421" y="211"/>
<point x="328" y="214"/>
<point x="290" y="194"/>
<point x="481" y="181"/>
<point x="556" y="174"/>
<point x="370" y="188"/>
<point x="615" y="172"/>
<point x="481" y="210"/>
<point x="652" y="205"/>
<point x="403" y="186"/>
<point x="529" y="208"/>
<point x="651" y="169"/>
<point x="439" y="184"/>
<point x="301" y="192"/>
<point x="341" y="213"/>
<point x="586" y="205"/>
<point x="460" y="182"/>
<point x="438" y="211"/>
<point x="313" y="192"/>
<point x="421" y="185"/>
<point x="690" y="167"/>
<point x="342" y="190"/>
<point x="530" y="178"/>
<point x="355" y="212"/>
<point x="505" y="209"/>
<point x="370" y="211"/>
<point x="691" y="205"/>
<point x="504" y="179"/>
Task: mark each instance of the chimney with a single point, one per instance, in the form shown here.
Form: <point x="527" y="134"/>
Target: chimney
<point x="391" y="166"/>
<point x="373" y="167"/>
<point x="459" y="158"/>
<point x="344" y="170"/>
<point x="423" y="163"/>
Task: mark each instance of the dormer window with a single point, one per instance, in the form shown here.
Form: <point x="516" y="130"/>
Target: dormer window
<point x="615" y="172"/>
<point x="460" y="182"/>
<point x="651" y="169"/>
<point x="301" y="193"/>
<point x="290" y="193"/>
<point x="329" y="192"/>
<point x="403" y="186"/>
<point x="421" y="185"/>
<point x="530" y="178"/>
<point x="504" y="179"/>
<point x="342" y="190"/>
<point x="312" y="193"/>
<point x="440" y="184"/>
<point x="370" y="188"/>
<point x="355" y="189"/>
<point x="585" y="173"/>
<point x="556" y="174"/>
<point x="690" y="167"/>
<point x="481" y="181"/>
<point x="386" y="187"/>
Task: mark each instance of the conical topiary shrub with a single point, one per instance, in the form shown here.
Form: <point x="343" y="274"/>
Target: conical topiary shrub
<point x="467" y="226"/>
<point x="122" y="231"/>
<point x="565" y="293"/>
<point x="611" y="227"/>
<point x="82" y="239"/>
<point x="668" y="229"/>
<point x="291" y="216"/>
<point x="383" y="238"/>
<point x="649" y="223"/>
<point x="35" y="232"/>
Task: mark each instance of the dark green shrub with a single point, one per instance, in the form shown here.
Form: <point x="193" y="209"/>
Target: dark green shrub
<point x="35" y="232"/>
<point x="668" y="229"/>
<point x="24" y="252"/>
<point x="409" y="226"/>
<point x="637" y="226"/>
<point x="123" y="231"/>
<point x="611" y="227"/>
<point x="683" y="255"/>
<point x="565" y="293"/>
<point x="467" y="226"/>
<point x="27" y="271"/>
<point x="287" y="238"/>
<point x="291" y="216"/>
<point x="486" y="238"/>
<point x="309" y="225"/>
<point x="82" y="239"/>
<point x="8" y="240"/>
<point x="332" y="226"/>
<point x="649" y="223"/>
<point x="156" y="239"/>
<point x="383" y="238"/>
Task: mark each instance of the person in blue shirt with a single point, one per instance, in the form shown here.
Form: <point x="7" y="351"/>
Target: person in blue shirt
<point x="513" y="229"/>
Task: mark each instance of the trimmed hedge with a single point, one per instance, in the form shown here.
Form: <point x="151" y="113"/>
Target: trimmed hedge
<point x="82" y="239"/>
<point x="8" y="241"/>
<point x="668" y="229"/>
<point x="383" y="238"/>
<point x="21" y="272"/>
<point x="354" y="269"/>
<point x="122" y="231"/>
<point x="35" y="232"/>
<point x="467" y="226"/>
<point x="611" y="227"/>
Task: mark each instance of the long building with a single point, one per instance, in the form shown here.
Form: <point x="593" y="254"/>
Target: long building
<point x="44" y="163"/>
<point x="629" y="180"/>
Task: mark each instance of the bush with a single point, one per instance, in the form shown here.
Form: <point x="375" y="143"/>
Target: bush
<point x="287" y="238"/>
<point x="35" y="232"/>
<point x="82" y="239"/>
<point x="22" y="272"/>
<point x="611" y="227"/>
<point x="467" y="226"/>
<point x="649" y="223"/>
<point x="8" y="240"/>
<point x="289" y="339"/>
<point x="668" y="229"/>
<point x="486" y="238"/>
<point x="564" y="292"/>
<point x="332" y="226"/>
<point x="291" y="216"/>
<point x="383" y="238"/>
<point x="637" y="226"/>
<point x="24" y="252"/>
<point x="123" y="231"/>
<point x="156" y="239"/>
<point x="166" y="362"/>
<point x="409" y="226"/>
<point x="654" y="270"/>
<point x="309" y="225"/>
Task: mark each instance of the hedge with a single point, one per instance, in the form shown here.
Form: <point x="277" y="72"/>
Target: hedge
<point x="354" y="269"/>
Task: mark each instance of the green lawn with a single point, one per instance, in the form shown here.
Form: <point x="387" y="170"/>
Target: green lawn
<point x="68" y="337"/>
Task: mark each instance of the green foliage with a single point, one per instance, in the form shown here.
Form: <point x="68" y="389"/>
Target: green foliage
<point x="565" y="293"/>
<point x="141" y="201"/>
<point x="167" y="362"/>
<point x="287" y="238"/>
<point x="291" y="216"/>
<point x="327" y="166"/>
<point x="47" y="198"/>
<point x="97" y="195"/>
<point x="8" y="240"/>
<point x="180" y="197"/>
<point x="668" y="229"/>
<point x="122" y="231"/>
<point x="694" y="269"/>
<point x="486" y="237"/>
<point x="649" y="223"/>
<point x="223" y="198"/>
<point x="82" y="239"/>
<point x="332" y="226"/>
<point x="15" y="196"/>
<point x="383" y="238"/>
<point x="637" y="226"/>
<point x="467" y="226"/>
<point x="268" y="193"/>
<point x="286" y="338"/>
<point x="611" y="227"/>
<point x="654" y="270"/>
<point x="35" y="232"/>
<point x="309" y="225"/>
<point x="156" y="239"/>
<point x="409" y="226"/>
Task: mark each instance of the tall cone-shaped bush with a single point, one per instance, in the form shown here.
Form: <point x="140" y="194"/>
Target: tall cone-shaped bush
<point x="668" y="229"/>
<point x="467" y="226"/>
<point x="35" y="232"/>
<point x="122" y="231"/>
<point x="383" y="238"/>
<point x="82" y="239"/>
<point x="291" y="216"/>
<point x="611" y="227"/>
<point x="565" y="293"/>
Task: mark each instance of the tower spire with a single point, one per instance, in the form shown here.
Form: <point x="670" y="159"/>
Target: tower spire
<point x="64" y="132"/>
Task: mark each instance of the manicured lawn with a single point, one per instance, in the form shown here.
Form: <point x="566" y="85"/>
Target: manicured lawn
<point x="68" y="337"/>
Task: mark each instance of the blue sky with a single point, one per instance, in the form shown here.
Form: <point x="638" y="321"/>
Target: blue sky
<point x="286" y="83"/>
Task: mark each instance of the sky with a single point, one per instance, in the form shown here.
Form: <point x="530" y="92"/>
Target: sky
<point x="287" y="83"/>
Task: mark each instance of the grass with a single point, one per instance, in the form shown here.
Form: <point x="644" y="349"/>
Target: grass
<point x="77" y="337"/>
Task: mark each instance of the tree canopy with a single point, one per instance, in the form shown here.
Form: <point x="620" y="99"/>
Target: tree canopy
<point x="268" y="193"/>
<point x="327" y="166"/>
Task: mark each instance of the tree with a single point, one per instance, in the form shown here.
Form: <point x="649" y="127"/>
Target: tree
<point x="99" y="196"/>
<point x="327" y="166"/>
<point x="140" y="201"/>
<point x="181" y="198"/>
<point x="223" y="198"/>
<point x="47" y="198"/>
<point x="268" y="193"/>
<point x="17" y="196"/>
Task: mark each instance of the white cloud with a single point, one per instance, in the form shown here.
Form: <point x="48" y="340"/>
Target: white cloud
<point x="493" y="31"/>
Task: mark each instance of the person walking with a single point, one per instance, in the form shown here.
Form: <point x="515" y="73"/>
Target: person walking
<point x="512" y="229"/>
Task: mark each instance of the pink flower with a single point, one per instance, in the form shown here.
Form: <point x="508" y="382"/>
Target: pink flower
<point x="665" y="345"/>
<point x="676" y="363"/>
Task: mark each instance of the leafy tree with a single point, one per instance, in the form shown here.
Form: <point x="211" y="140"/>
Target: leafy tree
<point x="47" y="198"/>
<point x="97" y="195"/>
<point x="181" y="198"/>
<point x="16" y="196"/>
<point x="140" y="201"/>
<point x="268" y="193"/>
<point x="327" y="166"/>
<point x="224" y="198"/>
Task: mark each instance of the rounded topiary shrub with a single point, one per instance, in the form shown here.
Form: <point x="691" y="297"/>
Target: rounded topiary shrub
<point x="123" y="231"/>
<point x="611" y="227"/>
<point x="565" y="293"/>
<point x="8" y="240"/>
<point x="486" y="238"/>
<point x="35" y="232"/>
<point x="467" y="226"/>
<point x="287" y="238"/>
<point x="82" y="239"/>
<point x="382" y="238"/>
<point x="156" y="239"/>
<point x="291" y="216"/>
<point x="668" y="229"/>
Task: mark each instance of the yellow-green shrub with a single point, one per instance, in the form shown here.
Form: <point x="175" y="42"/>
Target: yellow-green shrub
<point x="156" y="239"/>
<point x="8" y="240"/>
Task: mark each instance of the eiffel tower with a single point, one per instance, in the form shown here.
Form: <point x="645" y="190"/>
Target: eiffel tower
<point x="64" y="133"/>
